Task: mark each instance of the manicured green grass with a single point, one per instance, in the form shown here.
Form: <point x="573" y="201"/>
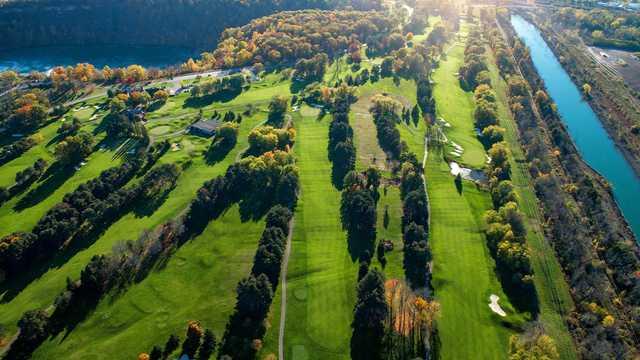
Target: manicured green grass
<point x="41" y="150"/>
<point x="20" y="215"/>
<point x="463" y="271"/>
<point x="50" y="193"/>
<point x="322" y="276"/>
<point x="41" y="292"/>
<point x="259" y="94"/>
<point x="553" y="292"/>
<point x="456" y="106"/>
<point x="197" y="283"/>
<point x="391" y="201"/>
<point x="47" y="140"/>
<point x="340" y="68"/>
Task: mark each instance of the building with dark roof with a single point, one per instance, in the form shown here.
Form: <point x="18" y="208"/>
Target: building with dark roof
<point x="206" y="128"/>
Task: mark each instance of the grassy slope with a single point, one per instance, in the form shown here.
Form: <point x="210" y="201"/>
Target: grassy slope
<point x="41" y="292"/>
<point x="9" y="170"/>
<point x="51" y="193"/>
<point x="463" y="273"/>
<point x="197" y="283"/>
<point x="456" y="106"/>
<point x="237" y="244"/>
<point x="322" y="276"/>
<point x="553" y="292"/>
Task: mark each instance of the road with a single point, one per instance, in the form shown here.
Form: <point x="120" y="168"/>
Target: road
<point x="283" y="288"/>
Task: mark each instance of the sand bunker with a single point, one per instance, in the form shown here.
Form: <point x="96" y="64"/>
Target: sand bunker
<point x="443" y="122"/>
<point x="495" y="307"/>
<point x="467" y="174"/>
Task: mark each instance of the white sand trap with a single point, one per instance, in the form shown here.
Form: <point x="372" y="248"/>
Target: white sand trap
<point x="495" y="307"/>
<point x="443" y="122"/>
<point x="456" y="154"/>
<point x="457" y="147"/>
<point x="175" y="147"/>
<point x="456" y="169"/>
<point x="467" y="174"/>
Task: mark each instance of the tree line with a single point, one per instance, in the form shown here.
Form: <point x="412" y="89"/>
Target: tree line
<point x="603" y="27"/>
<point x="287" y="37"/>
<point x="198" y="344"/>
<point x="506" y="232"/>
<point x="14" y="150"/>
<point x="26" y="113"/>
<point x="258" y="183"/>
<point x="267" y="138"/>
<point x="23" y="180"/>
<point x="232" y="83"/>
<point x="341" y="150"/>
<point x="415" y="223"/>
<point x="605" y="319"/>
<point x="95" y="204"/>
<point x="384" y="110"/>
<point x="246" y="327"/>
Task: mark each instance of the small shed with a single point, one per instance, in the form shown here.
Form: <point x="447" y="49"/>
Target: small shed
<point x="206" y="128"/>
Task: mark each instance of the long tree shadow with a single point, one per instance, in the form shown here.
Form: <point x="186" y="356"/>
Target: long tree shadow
<point x="523" y="297"/>
<point x="79" y="242"/>
<point x="202" y="101"/>
<point x="148" y="208"/>
<point x="218" y="151"/>
<point x="298" y="85"/>
<point x="53" y="178"/>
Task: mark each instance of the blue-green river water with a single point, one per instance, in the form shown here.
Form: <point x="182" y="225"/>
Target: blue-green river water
<point x="586" y="130"/>
<point x="44" y="58"/>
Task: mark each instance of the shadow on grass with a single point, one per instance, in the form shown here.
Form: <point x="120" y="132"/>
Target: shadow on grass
<point x="298" y="85"/>
<point x="56" y="139"/>
<point x="202" y="101"/>
<point x="148" y="208"/>
<point x="218" y="151"/>
<point x="79" y="242"/>
<point x="53" y="178"/>
<point x="523" y="297"/>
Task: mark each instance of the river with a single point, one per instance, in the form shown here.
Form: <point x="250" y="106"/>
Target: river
<point x="44" y="58"/>
<point x="586" y="130"/>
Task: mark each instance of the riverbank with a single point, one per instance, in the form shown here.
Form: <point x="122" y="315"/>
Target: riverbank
<point x="582" y="219"/>
<point x="615" y="106"/>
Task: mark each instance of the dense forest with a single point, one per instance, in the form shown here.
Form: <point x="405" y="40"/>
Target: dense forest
<point x="286" y="37"/>
<point x="603" y="27"/>
<point x="192" y="23"/>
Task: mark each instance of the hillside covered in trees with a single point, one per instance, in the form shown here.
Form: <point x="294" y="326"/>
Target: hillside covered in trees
<point x="191" y="23"/>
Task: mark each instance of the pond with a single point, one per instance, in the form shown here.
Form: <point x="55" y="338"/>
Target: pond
<point x="584" y="126"/>
<point x="44" y="58"/>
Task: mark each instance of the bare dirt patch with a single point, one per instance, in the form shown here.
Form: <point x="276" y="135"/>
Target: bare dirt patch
<point x="625" y="63"/>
